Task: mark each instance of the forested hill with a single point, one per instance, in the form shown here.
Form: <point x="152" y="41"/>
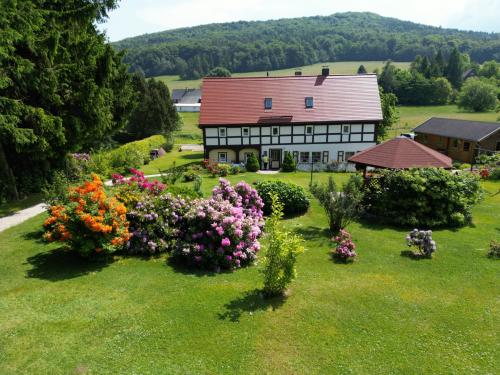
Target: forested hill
<point x="268" y="45"/>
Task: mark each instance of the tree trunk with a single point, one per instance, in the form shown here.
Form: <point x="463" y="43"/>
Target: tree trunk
<point x="6" y="176"/>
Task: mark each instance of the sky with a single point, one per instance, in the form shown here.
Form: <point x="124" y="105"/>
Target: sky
<point x="137" y="17"/>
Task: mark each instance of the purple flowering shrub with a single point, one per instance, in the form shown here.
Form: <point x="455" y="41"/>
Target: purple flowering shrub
<point x="222" y="232"/>
<point x="422" y="241"/>
<point x="345" y="249"/>
<point x="156" y="223"/>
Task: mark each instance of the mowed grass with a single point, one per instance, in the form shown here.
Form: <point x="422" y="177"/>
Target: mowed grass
<point x="189" y="133"/>
<point x="10" y="208"/>
<point x="383" y="314"/>
<point x="337" y="67"/>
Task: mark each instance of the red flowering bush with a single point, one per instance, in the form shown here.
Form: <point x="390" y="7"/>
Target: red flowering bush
<point x="91" y="222"/>
<point x="484" y="173"/>
<point x="131" y="190"/>
<point x="345" y="249"/>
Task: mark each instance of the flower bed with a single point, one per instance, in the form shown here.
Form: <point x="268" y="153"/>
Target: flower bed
<point x="91" y="222"/>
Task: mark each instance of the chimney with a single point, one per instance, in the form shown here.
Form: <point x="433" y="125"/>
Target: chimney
<point x="298" y="72"/>
<point x="325" y="71"/>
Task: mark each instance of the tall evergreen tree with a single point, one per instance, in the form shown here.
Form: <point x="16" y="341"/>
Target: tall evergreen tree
<point x="62" y="88"/>
<point x="455" y="69"/>
<point x="154" y="111"/>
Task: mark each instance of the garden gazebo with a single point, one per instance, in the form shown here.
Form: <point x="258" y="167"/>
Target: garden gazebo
<point x="400" y="153"/>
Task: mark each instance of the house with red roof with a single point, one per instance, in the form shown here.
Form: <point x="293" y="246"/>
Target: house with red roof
<point x="318" y="119"/>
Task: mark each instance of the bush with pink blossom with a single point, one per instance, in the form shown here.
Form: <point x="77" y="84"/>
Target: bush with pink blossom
<point x="345" y="247"/>
<point x="131" y="190"/>
<point x="222" y="232"/>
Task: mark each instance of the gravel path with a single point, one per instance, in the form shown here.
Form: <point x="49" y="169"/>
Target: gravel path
<point x="20" y="216"/>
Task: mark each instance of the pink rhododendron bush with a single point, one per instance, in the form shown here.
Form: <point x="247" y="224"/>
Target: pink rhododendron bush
<point x="222" y="232"/>
<point x="345" y="248"/>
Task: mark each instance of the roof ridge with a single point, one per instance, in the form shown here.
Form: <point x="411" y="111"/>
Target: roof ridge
<point x="288" y="77"/>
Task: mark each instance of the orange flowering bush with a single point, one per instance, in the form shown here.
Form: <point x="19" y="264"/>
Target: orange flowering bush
<point x="91" y="222"/>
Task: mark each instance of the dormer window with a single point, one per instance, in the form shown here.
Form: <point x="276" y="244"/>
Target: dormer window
<point x="268" y="103"/>
<point x="309" y="102"/>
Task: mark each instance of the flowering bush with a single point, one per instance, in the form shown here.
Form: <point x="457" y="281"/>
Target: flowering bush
<point x="345" y="249"/>
<point x="217" y="169"/>
<point x="494" y="251"/>
<point x="484" y="173"/>
<point x="222" y="232"/>
<point x="131" y="190"/>
<point x="156" y="223"/>
<point x="91" y="222"/>
<point x="422" y="241"/>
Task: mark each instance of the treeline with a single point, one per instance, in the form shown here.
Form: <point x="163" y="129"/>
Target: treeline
<point x="268" y="45"/>
<point x="64" y="89"/>
<point x="433" y="80"/>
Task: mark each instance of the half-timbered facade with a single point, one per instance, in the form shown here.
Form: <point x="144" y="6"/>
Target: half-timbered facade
<point x="318" y="119"/>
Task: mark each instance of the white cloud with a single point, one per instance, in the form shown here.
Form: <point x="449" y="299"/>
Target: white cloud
<point x="146" y="16"/>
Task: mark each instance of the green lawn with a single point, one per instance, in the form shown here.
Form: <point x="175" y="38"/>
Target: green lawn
<point x="383" y="314"/>
<point x="190" y="133"/>
<point x="338" y="67"/>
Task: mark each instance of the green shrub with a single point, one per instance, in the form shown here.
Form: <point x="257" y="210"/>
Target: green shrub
<point x="281" y="255"/>
<point x="293" y="197"/>
<point x="494" y="250"/>
<point x="422" y="197"/>
<point x="189" y="176"/>
<point x="289" y="164"/>
<point x="252" y="164"/>
<point x="183" y="191"/>
<point x="235" y="169"/>
<point x="340" y="207"/>
<point x="494" y="174"/>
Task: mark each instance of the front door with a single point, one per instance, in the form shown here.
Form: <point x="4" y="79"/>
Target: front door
<point x="275" y="158"/>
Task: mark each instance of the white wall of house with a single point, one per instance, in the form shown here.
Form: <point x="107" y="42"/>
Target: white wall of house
<point x="187" y="107"/>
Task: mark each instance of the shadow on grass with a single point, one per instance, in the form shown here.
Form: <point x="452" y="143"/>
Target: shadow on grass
<point x="191" y="156"/>
<point x="36" y="235"/>
<point x="313" y="233"/>
<point x="250" y="302"/>
<point x="413" y="255"/>
<point x="62" y="264"/>
<point x="180" y="267"/>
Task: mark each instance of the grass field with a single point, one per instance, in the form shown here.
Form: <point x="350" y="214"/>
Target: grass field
<point x="339" y="67"/>
<point x="189" y="133"/>
<point x="383" y="314"/>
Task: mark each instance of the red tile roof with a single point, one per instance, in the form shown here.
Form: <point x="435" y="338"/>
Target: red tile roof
<point x="401" y="153"/>
<point x="337" y="98"/>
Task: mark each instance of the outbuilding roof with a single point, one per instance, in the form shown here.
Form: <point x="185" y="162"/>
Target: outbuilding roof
<point x="186" y="96"/>
<point x="401" y="153"/>
<point x="460" y="129"/>
<point x="336" y="98"/>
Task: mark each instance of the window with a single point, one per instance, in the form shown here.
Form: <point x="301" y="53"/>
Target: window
<point x="276" y="130"/>
<point x="316" y="157"/>
<point x="304" y="157"/>
<point x="222" y="157"/>
<point x="340" y="156"/>
<point x="309" y="102"/>
<point x="296" y="156"/>
<point x="348" y="155"/>
<point x="268" y="103"/>
<point x="498" y="146"/>
<point x="246" y="132"/>
<point x="246" y="155"/>
<point x="309" y="130"/>
<point x="466" y="146"/>
<point x="222" y="132"/>
<point x="345" y="129"/>
<point x="326" y="156"/>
